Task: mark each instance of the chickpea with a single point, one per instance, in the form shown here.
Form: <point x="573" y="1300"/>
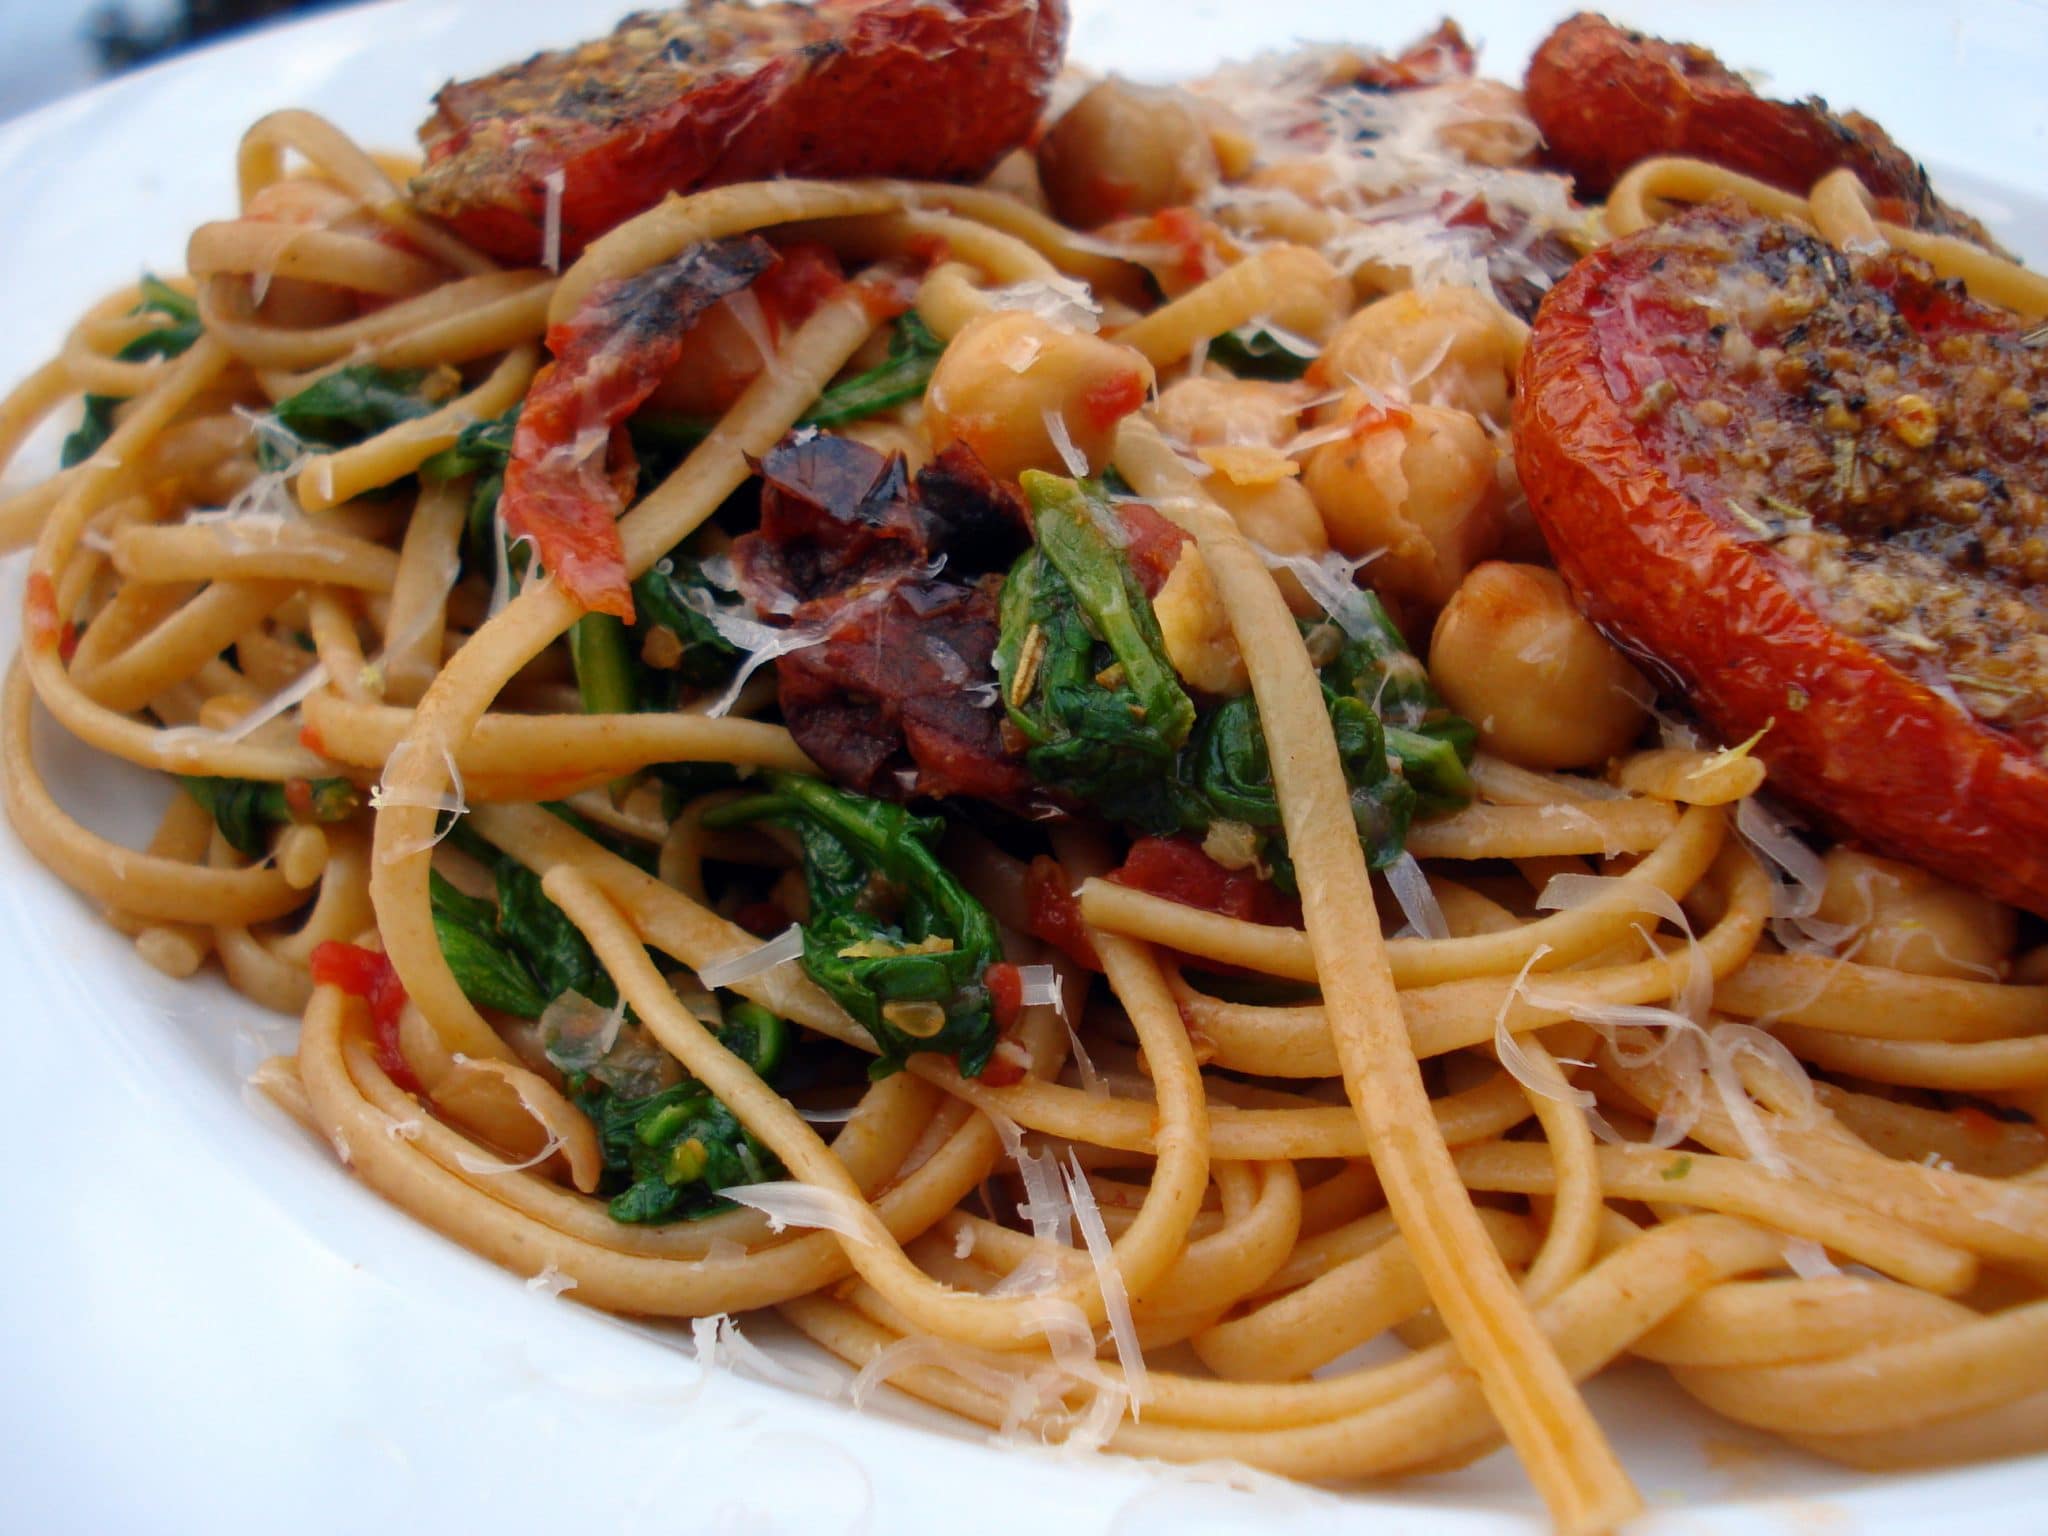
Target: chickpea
<point x="1016" y="175"/>
<point x="1489" y="124"/>
<point x="1233" y="141"/>
<point x="1204" y="413"/>
<point x="1310" y="296"/>
<point x="1278" y="516"/>
<point x="1281" y="519"/>
<point x="1312" y="181"/>
<point x="1546" y="689"/>
<point x="1192" y="622"/>
<point x="1910" y="920"/>
<point x="1008" y="370"/>
<point x="1449" y="346"/>
<point x="1124" y="149"/>
<point x="1257" y="485"/>
<point x="1417" y="486"/>
<point x="1521" y="537"/>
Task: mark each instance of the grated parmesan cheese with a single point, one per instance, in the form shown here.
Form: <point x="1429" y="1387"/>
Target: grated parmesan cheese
<point x="1062" y="301"/>
<point x="495" y="1166"/>
<point x="1390" y="177"/>
<point x="1044" y="1207"/>
<point x="746" y="309"/>
<point x="759" y="643"/>
<point x="1063" y="444"/>
<point x="1514" y="1057"/>
<point x="720" y="1345"/>
<point x="551" y="1282"/>
<point x="576" y="1033"/>
<point x="449" y="801"/>
<point x="1562" y="893"/>
<point x="1418" y="902"/>
<point x="1040" y="988"/>
<point x="780" y="950"/>
<point x="1026" y="1394"/>
<point x="556" y="182"/>
<point x="789" y="1203"/>
<point x="1808" y="1260"/>
<point x="1116" y="1301"/>
<point x="1331" y="580"/>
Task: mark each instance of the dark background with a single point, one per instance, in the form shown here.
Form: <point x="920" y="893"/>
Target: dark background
<point x="49" y="48"/>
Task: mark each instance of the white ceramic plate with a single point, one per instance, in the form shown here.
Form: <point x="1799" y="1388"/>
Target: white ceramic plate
<point x="206" y="1326"/>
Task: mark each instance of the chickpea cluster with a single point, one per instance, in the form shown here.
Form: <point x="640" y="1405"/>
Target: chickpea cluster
<point x="1392" y="452"/>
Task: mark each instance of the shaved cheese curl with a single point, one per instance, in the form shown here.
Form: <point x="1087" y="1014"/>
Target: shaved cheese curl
<point x="1116" y="1302"/>
<point x="1418" y="902"/>
<point x="785" y="947"/>
<point x="787" y="1203"/>
<point x="1514" y="1056"/>
<point x="1563" y="893"/>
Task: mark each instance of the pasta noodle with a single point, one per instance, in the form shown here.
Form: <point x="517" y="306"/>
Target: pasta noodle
<point x="1603" y="1097"/>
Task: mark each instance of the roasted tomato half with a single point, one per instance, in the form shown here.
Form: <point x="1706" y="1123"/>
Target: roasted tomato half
<point x="1813" y="486"/>
<point x="719" y="91"/>
<point x="1606" y="97"/>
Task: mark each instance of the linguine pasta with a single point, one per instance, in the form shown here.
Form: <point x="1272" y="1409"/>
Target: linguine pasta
<point x="1601" y="1096"/>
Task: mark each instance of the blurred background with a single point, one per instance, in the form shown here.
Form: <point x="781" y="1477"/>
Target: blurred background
<point x="49" y="48"/>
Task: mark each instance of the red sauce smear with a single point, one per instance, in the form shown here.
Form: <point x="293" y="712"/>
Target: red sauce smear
<point x="1005" y="985"/>
<point x="1177" y="869"/>
<point x="1152" y="544"/>
<point x="1976" y="1124"/>
<point x="1184" y="229"/>
<point x="1110" y="400"/>
<point x="792" y="290"/>
<point x="369" y="975"/>
<point x="45" y="631"/>
<point x="1005" y="1065"/>
<point x="1053" y="915"/>
<point x="1372" y="417"/>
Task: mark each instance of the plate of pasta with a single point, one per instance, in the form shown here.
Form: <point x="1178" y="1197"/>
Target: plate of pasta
<point x="1276" y="771"/>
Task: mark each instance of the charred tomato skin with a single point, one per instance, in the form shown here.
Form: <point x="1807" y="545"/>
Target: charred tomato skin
<point x="1873" y="753"/>
<point x="1606" y="98"/>
<point x="842" y="89"/>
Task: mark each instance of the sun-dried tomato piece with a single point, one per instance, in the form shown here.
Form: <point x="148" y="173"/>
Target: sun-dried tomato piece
<point x="563" y="486"/>
<point x="897" y="695"/>
<point x="1054" y="915"/>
